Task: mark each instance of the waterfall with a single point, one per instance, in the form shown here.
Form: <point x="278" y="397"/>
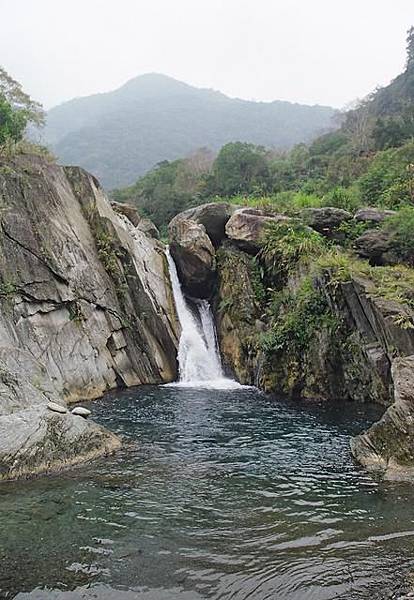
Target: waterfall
<point x="198" y="354"/>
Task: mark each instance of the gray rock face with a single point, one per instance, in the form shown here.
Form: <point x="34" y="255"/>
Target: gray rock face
<point x="374" y="245"/>
<point x="194" y="256"/>
<point x="85" y="304"/>
<point x="213" y="216"/>
<point x="325" y="220"/>
<point x="372" y="215"/>
<point x="130" y="212"/>
<point x="388" y="445"/>
<point x="247" y="225"/>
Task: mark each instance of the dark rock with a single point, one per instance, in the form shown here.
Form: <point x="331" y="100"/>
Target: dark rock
<point x="374" y="245"/>
<point x="213" y="216"/>
<point x="325" y="220"/>
<point x="372" y="215"/>
<point x="194" y="256"/>
<point x="246" y="227"/>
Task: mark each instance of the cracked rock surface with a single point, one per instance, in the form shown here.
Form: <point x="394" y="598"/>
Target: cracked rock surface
<point x="85" y="306"/>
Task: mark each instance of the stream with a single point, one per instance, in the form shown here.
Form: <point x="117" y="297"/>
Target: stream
<point x="221" y="494"/>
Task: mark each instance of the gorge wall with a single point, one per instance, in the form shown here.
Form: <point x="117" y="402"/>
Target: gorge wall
<point x="337" y="332"/>
<point x="85" y="306"/>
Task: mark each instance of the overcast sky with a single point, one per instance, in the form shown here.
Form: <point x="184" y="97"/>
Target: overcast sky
<point x="311" y="51"/>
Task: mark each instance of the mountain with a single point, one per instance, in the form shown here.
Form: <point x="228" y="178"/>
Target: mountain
<point x="121" y="134"/>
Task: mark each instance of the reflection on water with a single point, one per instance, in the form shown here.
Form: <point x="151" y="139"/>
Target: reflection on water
<point x="224" y="494"/>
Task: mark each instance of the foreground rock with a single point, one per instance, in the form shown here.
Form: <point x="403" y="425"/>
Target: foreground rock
<point x="246" y="227"/>
<point x="194" y="256"/>
<point x="388" y="445"/>
<point x="85" y="306"/>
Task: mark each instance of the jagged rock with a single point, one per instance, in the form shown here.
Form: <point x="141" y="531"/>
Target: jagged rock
<point x="130" y="212"/>
<point x="246" y="227"/>
<point x="81" y="412"/>
<point x="58" y="408"/>
<point x="372" y="215"/>
<point x="388" y="445"/>
<point x="194" y="256"/>
<point x="325" y="220"/>
<point x="213" y="216"/>
<point x="85" y="292"/>
<point x="374" y="245"/>
<point x="148" y="228"/>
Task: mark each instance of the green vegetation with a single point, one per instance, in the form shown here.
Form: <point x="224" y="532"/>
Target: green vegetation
<point x="367" y="161"/>
<point x="286" y="243"/>
<point x="17" y="110"/>
<point x="401" y="229"/>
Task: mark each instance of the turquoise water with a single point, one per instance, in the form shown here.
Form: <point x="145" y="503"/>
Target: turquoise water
<point x="228" y="495"/>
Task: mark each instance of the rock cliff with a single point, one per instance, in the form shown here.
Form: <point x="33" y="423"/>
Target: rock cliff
<point x="85" y="306"/>
<point x="343" y="331"/>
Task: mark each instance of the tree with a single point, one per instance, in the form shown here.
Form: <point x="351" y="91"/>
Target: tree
<point x="240" y="168"/>
<point x="12" y="91"/>
<point x="12" y="122"/>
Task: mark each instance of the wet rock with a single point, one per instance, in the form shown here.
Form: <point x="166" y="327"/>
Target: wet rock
<point x="246" y="227"/>
<point x="194" y="256"/>
<point x="213" y="216"/>
<point x="372" y="215"/>
<point x="58" y="408"/>
<point x="325" y="220"/>
<point x="81" y="412"/>
<point x="388" y="446"/>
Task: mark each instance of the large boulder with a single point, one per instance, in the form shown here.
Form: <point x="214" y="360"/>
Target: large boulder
<point x="374" y="245"/>
<point x="246" y="227"/>
<point x="388" y="446"/>
<point x="128" y="211"/>
<point x="194" y="256"/>
<point x="326" y="220"/>
<point x="372" y="215"/>
<point x="213" y="216"/>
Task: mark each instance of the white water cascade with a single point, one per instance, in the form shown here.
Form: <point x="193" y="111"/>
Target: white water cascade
<point x="198" y="354"/>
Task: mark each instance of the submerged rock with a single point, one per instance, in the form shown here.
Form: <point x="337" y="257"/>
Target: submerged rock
<point x="246" y="227"/>
<point x="194" y="256"/>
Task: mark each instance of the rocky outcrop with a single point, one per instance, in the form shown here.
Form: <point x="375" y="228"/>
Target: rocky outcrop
<point x="372" y="215"/>
<point x="388" y="446"/>
<point x="86" y="306"/>
<point x="213" y="216"/>
<point x="325" y="220"/>
<point x="246" y="227"/>
<point x="194" y="256"/>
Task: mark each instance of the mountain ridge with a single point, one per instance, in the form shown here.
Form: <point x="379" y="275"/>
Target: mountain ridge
<point x="119" y="135"/>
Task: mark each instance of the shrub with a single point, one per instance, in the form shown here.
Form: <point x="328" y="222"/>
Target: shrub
<point x="401" y="228"/>
<point x="286" y="243"/>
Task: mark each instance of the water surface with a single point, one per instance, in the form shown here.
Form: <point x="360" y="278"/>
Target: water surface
<point x="228" y="495"/>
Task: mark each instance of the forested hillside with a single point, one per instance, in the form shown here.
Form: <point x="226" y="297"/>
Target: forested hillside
<point x="368" y="160"/>
<point x="120" y="135"/>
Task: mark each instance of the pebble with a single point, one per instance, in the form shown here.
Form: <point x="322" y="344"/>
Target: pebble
<point x="53" y="406"/>
<point x="81" y="412"/>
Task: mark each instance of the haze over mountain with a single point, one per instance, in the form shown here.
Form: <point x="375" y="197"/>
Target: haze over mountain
<point x="121" y="134"/>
